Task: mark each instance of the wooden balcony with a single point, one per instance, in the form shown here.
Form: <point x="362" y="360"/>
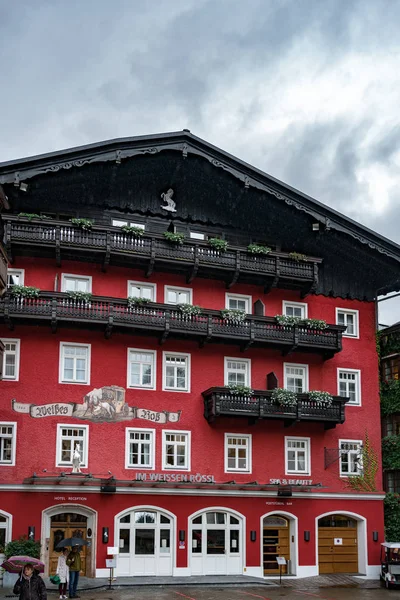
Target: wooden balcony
<point x="152" y="252"/>
<point x="164" y="320"/>
<point x="3" y="270"/>
<point x="221" y="402"/>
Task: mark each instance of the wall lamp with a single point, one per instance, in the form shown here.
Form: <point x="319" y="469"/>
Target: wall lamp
<point x="375" y="536"/>
<point x="31" y="532"/>
<point x="253" y="535"/>
<point x="307" y="536"/>
<point x="105" y="535"/>
<point x="181" y="535"/>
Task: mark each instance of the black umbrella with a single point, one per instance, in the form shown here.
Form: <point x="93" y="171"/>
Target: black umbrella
<point x="74" y="541"/>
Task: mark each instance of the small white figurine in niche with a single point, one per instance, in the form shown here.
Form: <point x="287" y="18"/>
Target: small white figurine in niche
<point x="167" y="198"/>
<point x="76" y="460"/>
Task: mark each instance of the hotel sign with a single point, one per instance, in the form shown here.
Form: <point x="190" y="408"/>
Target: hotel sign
<point x="175" y="477"/>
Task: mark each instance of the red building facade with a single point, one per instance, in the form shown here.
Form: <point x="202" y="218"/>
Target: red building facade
<point x="165" y="430"/>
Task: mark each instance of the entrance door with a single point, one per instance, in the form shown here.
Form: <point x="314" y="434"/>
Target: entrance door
<point x="337" y="545"/>
<point x="65" y="525"/>
<point x="275" y="543"/>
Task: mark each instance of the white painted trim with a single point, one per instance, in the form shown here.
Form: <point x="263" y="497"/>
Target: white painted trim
<point x="20" y="272"/>
<point x="102" y="573"/>
<point x="188" y="373"/>
<point x="61" y="364"/>
<point x="302" y="305"/>
<point x="307" y="571"/>
<point x="297" y="365"/>
<point x="293" y="535"/>
<point x="297" y="438"/>
<point x="143" y="284"/>
<point x="85" y="443"/>
<point x="177" y="288"/>
<point x="13" y="424"/>
<point x="358" y="384"/>
<point x="248" y="299"/>
<point x="8" y="525"/>
<point x="153" y="384"/>
<point x="16" y="341"/>
<point x="247" y="361"/>
<point x="249" y="438"/>
<point x="87" y="278"/>
<point x="181" y="572"/>
<point x="373" y="572"/>
<point x="354" y="312"/>
<point x="128" y="430"/>
<point x="188" y="448"/>
<point x="253" y="572"/>
<point x="347" y="441"/>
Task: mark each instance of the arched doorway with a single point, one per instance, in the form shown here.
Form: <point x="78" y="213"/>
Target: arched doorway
<point x="340" y="537"/>
<point x="146" y="540"/>
<point x="62" y="526"/>
<point x="279" y="538"/>
<point x="5" y="530"/>
<point x="216" y="542"/>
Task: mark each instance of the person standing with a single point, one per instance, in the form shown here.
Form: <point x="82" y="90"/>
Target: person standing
<point x="29" y="585"/>
<point x="63" y="573"/>
<point x="74" y="564"/>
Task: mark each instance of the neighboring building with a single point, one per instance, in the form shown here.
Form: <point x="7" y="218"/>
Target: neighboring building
<point x="190" y="462"/>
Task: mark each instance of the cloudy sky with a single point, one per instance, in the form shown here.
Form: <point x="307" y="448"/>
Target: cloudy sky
<point x="307" y="90"/>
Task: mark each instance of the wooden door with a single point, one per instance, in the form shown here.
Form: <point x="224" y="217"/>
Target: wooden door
<point x="275" y="543"/>
<point x="63" y="526"/>
<point x="341" y="557"/>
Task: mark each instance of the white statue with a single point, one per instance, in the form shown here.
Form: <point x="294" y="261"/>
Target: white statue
<point x="76" y="460"/>
<point x="167" y="198"/>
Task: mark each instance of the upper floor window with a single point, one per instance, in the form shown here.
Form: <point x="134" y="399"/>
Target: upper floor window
<point x="137" y="289"/>
<point x="349" y="318"/>
<point x="140" y="448"/>
<point x="69" y="439"/>
<point x="296" y="378"/>
<point x="8" y="443"/>
<point x="120" y="223"/>
<point x="237" y="371"/>
<point x="295" y="309"/>
<point x="238" y="302"/>
<point x="297" y="455"/>
<point x="141" y="368"/>
<point x="349" y="385"/>
<point x="390" y="368"/>
<point x="197" y="235"/>
<point x="176" y="450"/>
<point x="392" y="482"/>
<point x="177" y="295"/>
<point x="76" y="283"/>
<point x="74" y="363"/>
<point x="176" y="371"/>
<point x="15" y="277"/>
<point x="237" y="452"/>
<point x="350" y="457"/>
<point x="11" y="359"/>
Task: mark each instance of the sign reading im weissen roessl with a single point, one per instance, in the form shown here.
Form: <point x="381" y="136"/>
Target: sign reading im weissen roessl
<point x="182" y="477"/>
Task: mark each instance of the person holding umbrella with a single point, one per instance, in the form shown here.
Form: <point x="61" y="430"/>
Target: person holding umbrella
<point x="74" y="563"/>
<point x="29" y="586"/>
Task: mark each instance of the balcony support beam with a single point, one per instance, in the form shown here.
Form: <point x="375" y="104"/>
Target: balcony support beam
<point x="167" y="327"/>
<point x="107" y="255"/>
<point x="110" y="324"/>
<point x="58" y="246"/>
<point x="195" y="267"/>
<point x="53" y="323"/>
<point x="150" y="267"/>
<point x="236" y="273"/>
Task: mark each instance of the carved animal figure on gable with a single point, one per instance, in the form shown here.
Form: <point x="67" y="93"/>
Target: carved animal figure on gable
<point x="167" y="198"/>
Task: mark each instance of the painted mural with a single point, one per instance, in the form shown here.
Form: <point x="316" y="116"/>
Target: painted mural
<point x="101" y="405"/>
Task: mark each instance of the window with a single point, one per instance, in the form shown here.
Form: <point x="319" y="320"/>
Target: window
<point x="176" y="372"/>
<point x="237" y="371"/>
<point x="141" y="368"/>
<point x="8" y="443"/>
<point x="75" y="283"/>
<point x="349" y="318"/>
<point x="137" y="289"/>
<point x="120" y="223"/>
<point x="176" y="450"/>
<point x="350" y="457"/>
<point x="176" y="295"/>
<point x="390" y="368"/>
<point x="74" y="363"/>
<point x="11" y="359"/>
<point x="196" y="235"/>
<point x="70" y="438"/>
<point x="237" y="452"/>
<point x="295" y="309"/>
<point x="140" y="449"/>
<point x="297" y="455"/>
<point x="296" y="378"/>
<point x="238" y="302"/>
<point x="349" y="385"/>
<point x="15" y="277"/>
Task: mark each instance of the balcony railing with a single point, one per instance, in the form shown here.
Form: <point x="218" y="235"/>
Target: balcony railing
<point x="167" y="320"/>
<point x="152" y="251"/>
<point x="3" y="270"/>
<point x="221" y="401"/>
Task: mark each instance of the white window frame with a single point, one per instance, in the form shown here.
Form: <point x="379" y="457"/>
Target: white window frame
<point x="355" y="313"/>
<point x="152" y="386"/>
<point x="295" y="438"/>
<point x="248" y="438"/>
<point x="188" y="374"/>
<point x="247" y="361"/>
<point x="166" y="467"/>
<point x="87" y="278"/>
<point x="177" y="288"/>
<point x="122" y="223"/>
<point x="142" y="284"/>
<point x="12" y="424"/>
<point x="247" y="299"/>
<point x="356" y="372"/>
<point x="197" y="235"/>
<point x="306" y="375"/>
<point x="17" y="358"/>
<point x="61" y="426"/>
<point x="346" y="475"/>
<point x="152" y="432"/>
<point x="61" y="364"/>
<point x="302" y="305"/>
<point x="20" y="272"/>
